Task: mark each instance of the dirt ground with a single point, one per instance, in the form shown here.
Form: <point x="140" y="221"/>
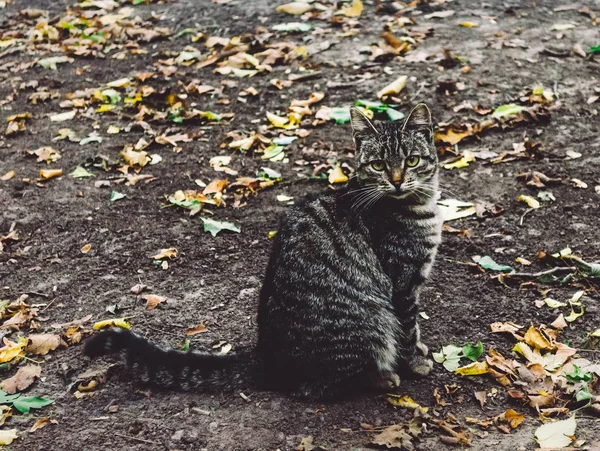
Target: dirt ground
<point x="217" y="279"/>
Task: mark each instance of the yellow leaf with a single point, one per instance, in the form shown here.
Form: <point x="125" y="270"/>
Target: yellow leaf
<point x="533" y="203"/>
<point x="295" y="8"/>
<point x="113" y="130"/>
<point x="513" y="418"/>
<point x="405" y="402"/>
<point x="118" y="322"/>
<point x="466" y="158"/>
<point x="243" y="144"/>
<point x="534" y="337"/>
<point x="11" y="351"/>
<point x="105" y="108"/>
<point x="337" y="176"/>
<point x="7" y="436"/>
<point x="46" y="174"/>
<point x="353" y="11"/>
<point x="574" y="315"/>
<point x="473" y="369"/>
<point x="42" y="422"/>
<point x="166" y="253"/>
<point x="133" y="157"/>
<point x="277" y="121"/>
<point x="85" y="249"/>
<point x="9" y="175"/>
<point x="120" y="83"/>
<point x="393" y="88"/>
<point x="469" y="24"/>
<point x="596" y="333"/>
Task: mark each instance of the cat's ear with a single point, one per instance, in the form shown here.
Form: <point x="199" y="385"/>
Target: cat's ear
<point x="361" y="125"/>
<point x="419" y="118"/>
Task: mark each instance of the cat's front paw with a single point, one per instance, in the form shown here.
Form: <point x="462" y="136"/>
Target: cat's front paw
<point x="421" y="366"/>
<point x="386" y="381"/>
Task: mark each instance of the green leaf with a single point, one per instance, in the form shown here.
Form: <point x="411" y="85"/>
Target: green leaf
<point x="486" y="262"/>
<point x="5" y="398"/>
<point x="594" y="49"/>
<point x="23" y="404"/>
<point x="395" y="115"/>
<point x="449" y="356"/>
<point x="112" y="94"/>
<point x="285" y="140"/>
<point x="115" y="195"/>
<point x="553" y="303"/>
<point x="473" y="352"/>
<point x="290" y="27"/>
<point x="214" y="227"/>
<point x="583" y="395"/>
<point x="185" y="347"/>
<point x="79" y="173"/>
<point x="274" y="153"/>
<point x="578" y="376"/>
<point x="507" y="110"/>
<point x="378" y="107"/>
<point x="340" y="115"/>
<point x="90" y="139"/>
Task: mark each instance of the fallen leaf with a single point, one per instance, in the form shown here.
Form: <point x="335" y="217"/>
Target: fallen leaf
<point x="46" y="174"/>
<point x="473" y="369"/>
<point x="61" y="117"/>
<point x="533" y="203"/>
<point x="41" y="423"/>
<point x="355" y="10"/>
<point x="466" y="158"/>
<point x="214" y="227"/>
<point x="80" y="172"/>
<point x="118" y="322"/>
<point x="557" y="434"/>
<point x="395" y="437"/>
<point x="152" y="300"/>
<point x="405" y="402"/>
<point x="9" y="175"/>
<point x="24" y="377"/>
<point x="7" y="436"/>
<point x="42" y="344"/>
<point x="337" y="176"/>
<point x="507" y="110"/>
<point x="452" y="209"/>
<point x="198" y="329"/>
<point x="514" y="419"/>
<point x="439" y="14"/>
<point x="393" y="88"/>
<point x="294" y="8"/>
<point x="166" y="253"/>
<point x="11" y="351"/>
<point x="85" y="249"/>
<point x="481" y="396"/>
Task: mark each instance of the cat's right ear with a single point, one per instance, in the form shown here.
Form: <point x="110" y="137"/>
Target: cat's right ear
<point x="361" y="125"/>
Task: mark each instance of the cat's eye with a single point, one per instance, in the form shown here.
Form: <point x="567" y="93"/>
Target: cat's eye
<point x="378" y="165"/>
<point x="412" y="161"/>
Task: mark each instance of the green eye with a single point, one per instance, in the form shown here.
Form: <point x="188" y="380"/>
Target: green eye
<point x="378" y="165"/>
<point x="412" y="161"/>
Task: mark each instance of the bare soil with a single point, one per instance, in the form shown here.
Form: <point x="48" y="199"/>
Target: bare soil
<point x="217" y="280"/>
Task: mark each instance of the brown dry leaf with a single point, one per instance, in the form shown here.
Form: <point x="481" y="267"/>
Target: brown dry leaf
<point x="405" y="402"/>
<point x="393" y="88"/>
<point x="314" y="98"/>
<point x="22" y="379"/>
<point x="166" y="253"/>
<point x="41" y="423"/>
<point x="133" y="157"/>
<point x="216" y="186"/>
<point x="559" y="323"/>
<point x="9" y="175"/>
<point x="199" y="329"/>
<point x="508" y="327"/>
<point x="42" y="344"/>
<point x="395" y="436"/>
<point x="481" y="396"/>
<point x="5" y="414"/>
<point x="46" y="174"/>
<point x="537" y="401"/>
<point x="47" y="154"/>
<point x="85" y="249"/>
<point x="152" y="300"/>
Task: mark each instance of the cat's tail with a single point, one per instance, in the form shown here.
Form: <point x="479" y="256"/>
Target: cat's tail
<point x="152" y="365"/>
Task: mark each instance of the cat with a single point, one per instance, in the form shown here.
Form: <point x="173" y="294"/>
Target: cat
<point x="339" y="303"/>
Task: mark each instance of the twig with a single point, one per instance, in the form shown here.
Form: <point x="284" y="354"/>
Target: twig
<point x="137" y="439"/>
<point x="535" y="275"/>
<point x="49" y="304"/>
<point x="38" y="294"/>
<point x="523" y="216"/>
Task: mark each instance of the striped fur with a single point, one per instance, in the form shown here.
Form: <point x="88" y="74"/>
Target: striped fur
<point x="339" y="303"/>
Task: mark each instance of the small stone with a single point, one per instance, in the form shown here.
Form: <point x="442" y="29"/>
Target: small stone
<point x="177" y="435"/>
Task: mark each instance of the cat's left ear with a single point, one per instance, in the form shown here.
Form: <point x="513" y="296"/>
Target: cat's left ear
<point x="419" y="119"/>
<point x="361" y="125"/>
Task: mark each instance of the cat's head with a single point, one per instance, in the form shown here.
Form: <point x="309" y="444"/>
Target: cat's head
<point x="397" y="159"/>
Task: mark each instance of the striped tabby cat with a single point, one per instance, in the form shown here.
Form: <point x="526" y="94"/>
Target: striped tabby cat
<point x="338" y="308"/>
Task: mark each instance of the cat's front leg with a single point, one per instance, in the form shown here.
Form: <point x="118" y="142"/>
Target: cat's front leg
<point x="414" y="351"/>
